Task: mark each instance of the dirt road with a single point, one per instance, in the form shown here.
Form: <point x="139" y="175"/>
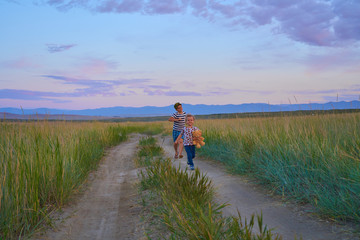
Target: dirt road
<point x="108" y="209"/>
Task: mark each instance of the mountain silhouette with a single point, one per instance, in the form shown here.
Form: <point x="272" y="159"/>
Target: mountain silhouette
<point x="198" y="109"/>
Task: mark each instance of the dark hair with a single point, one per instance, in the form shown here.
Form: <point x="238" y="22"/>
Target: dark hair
<point x="176" y="105"/>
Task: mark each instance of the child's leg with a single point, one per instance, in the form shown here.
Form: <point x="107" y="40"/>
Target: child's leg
<point x="192" y="148"/>
<point x="193" y="151"/>
<point x="175" y="135"/>
<point x="181" y="146"/>
<point x="189" y="155"/>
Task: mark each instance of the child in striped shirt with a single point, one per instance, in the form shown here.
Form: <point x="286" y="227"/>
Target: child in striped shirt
<point x="179" y="123"/>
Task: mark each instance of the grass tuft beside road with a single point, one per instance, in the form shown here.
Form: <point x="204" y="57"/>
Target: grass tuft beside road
<point x="183" y="202"/>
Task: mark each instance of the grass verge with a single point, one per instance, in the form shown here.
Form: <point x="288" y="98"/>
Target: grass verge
<point x="182" y="202"/>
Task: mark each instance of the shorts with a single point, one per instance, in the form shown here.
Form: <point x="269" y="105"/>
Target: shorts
<point x="176" y="134"/>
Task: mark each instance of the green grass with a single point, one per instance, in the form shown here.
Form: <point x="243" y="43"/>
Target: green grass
<point x="147" y="151"/>
<point x="42" y="163"/>
<point x="314" y="159"/>
<point x="186" y="204"/>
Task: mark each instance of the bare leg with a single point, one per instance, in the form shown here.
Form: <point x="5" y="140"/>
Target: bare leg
<point x="176" y="148"/>
<point x="181" y="147"/>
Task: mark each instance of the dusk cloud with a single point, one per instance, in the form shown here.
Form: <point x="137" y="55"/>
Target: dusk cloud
<point x="95" y="66"/>
<point x="20" y="63"/>
<point x="167" y="91"/>
<point x="89" y="88"/>
<point x="351" y="91"/>
<point x="163" y="7"/>
<point x="31" y="95"/>
<point x="95" y="87"/>
<point x="125" y="6"/>
<point x="54" y="48"/>
<point x="106" y="87"/>
<point x="319" y="23"/>
<point x="341" y="59"/>
<point x="332" y="94"/>
<point x="182" y="93"/>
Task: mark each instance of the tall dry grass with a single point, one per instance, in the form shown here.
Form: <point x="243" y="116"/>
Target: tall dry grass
<point x="314" y="159"/>
<point x="41" y="163"/>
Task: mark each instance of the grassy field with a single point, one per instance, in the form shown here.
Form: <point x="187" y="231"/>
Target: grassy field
<point x="314" y="159"/>
<point x="42" y="163"/>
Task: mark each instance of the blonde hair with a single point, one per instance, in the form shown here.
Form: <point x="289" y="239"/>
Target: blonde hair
<point x="188" y="116"/>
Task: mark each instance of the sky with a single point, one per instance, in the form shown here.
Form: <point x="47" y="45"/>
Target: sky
<point x="86" y="54"/>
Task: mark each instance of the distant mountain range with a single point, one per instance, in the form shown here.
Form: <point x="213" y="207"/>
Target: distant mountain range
<point x="150" y="111"/>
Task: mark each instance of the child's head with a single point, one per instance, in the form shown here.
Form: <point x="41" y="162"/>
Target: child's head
<point x="176" y="105"/>
<point x="190" y="119"/>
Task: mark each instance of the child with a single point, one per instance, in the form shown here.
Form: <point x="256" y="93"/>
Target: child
<point x="188" y="139"/>
<point x="179" y="123"/>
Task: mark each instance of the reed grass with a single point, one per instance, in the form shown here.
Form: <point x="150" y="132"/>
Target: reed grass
<point x="42" y="163"/>
<point x="314" y="159"/>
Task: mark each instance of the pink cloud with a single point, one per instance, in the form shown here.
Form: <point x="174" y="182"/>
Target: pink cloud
<point x="163" y="7"/>
<point x="30" y="95"/>
<point x="21" y="63"/>
<point x="200" y="8"/>
<point x="347" y="24"/>
<point x="319" y="23"/>
<point x="126" y="6"/>
<point x="343" y="59"/>
<point x="96" y="67"/>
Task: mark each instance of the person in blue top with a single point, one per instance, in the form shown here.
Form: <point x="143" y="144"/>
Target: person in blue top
<point x="179" y="123"/>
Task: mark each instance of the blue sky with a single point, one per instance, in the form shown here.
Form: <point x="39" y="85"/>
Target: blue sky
<point x="80" y="54"/>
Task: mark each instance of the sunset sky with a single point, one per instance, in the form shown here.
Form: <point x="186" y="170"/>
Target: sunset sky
<point x="81" y="54"/>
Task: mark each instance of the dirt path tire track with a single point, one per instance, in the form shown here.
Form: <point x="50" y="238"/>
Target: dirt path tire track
<point x="107" y="209"/>
<point x="287" y="218"/>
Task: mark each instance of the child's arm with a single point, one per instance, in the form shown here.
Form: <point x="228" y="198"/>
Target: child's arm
<point x="172" y="119"/>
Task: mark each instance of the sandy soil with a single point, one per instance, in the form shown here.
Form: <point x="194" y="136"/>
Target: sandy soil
<point x="108" y="207"/>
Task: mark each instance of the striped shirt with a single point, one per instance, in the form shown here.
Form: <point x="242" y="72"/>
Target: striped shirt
<point x="179" y="125"/>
